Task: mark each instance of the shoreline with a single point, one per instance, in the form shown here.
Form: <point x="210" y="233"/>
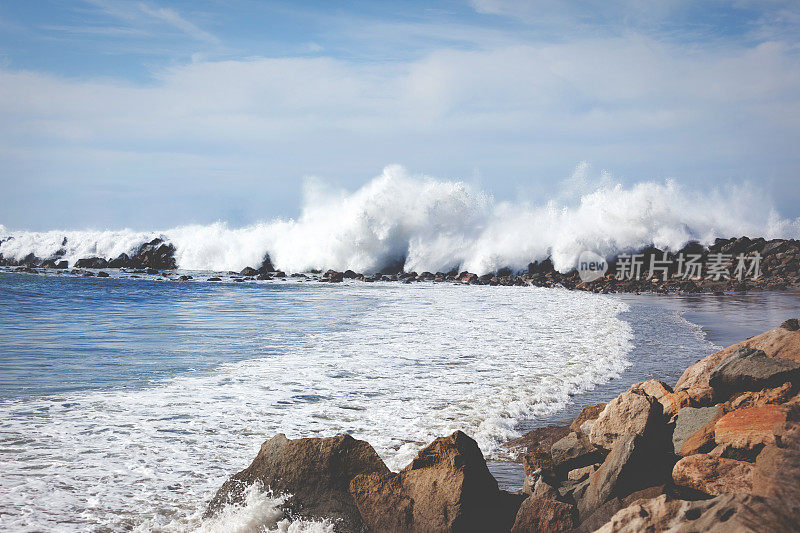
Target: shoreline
<point x="718" y="451"/>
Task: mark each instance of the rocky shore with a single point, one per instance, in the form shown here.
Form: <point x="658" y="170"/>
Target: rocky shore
<point x="719" y="451"/>
<point x="779" y="269"/>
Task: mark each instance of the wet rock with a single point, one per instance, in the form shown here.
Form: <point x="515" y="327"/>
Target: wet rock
<point x="92" y="262"/>
<point x="587" y="413"/>
<point x="694" y="429"/>
<point x="151" y="271"/>
<point x="750" y="428"/>
<point x="540" y="439"/>
<point x="263" y="277"/>
<point x="447" y="487"/>
<point x="748" y="369"/>
<point x="723" y="514"/>
<point x="155" y="254"/>
<point x="574" y="451"/>
<point x="185" y="278"/>
<point x="632" y="412"/>
<point x="316" y="471"/>
<point x="792" y="324"/>
<point x="214" y="279"/>
<point x="121" y="261"/>
<point x="102" y="274"/>
<point x="248" y="271"/>
<point x="713" y="475"/>
<point x="544" y="515"/>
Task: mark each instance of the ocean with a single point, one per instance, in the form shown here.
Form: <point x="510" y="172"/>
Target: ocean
<point x="125" y="403"/>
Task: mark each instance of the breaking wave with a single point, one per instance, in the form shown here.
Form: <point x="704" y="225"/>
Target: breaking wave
<point x="433" y="225"/>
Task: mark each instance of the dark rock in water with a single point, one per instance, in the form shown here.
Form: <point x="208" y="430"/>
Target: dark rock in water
<point x="87" y="275"/>
<point x="238" y="280"/>
<point x="349" y="274"/>
<point x="151" y="271"/>
<point x="447" y="487"/>
<point x="543" y="514"/>
<point x="792" y="324"/>
<point x="155" y="254"/>
<point x="185" y="278"/>
<point x="279" y="274"/>
<point x="317" y="472"/>
<point x="102" y="274"/>
<point x="248" y="271"/>
<point x="92" y="262"/>
<point x="263" y="277"/>
<point x="30" y="260"/>
<point x="121" y="261"/>
<point x="334" y="277"/>
<point x="214" y="279"/>
<point x="266" y="265"/>
<point x="748" y="369"/>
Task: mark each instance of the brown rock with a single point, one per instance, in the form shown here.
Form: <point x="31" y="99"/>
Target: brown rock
<point x="316" y="472"/>
<point x="724" y="514"/>
<point x="777" y="469"/>
<point x="540" y="439"/>
<point x="632" y="412"/>
<point x="748" y="369"/>
<point x="447" y="487"/>
<point x="590" y="412"/>
<point x="749" y="428"/>
<point x="670" y="402"/>
<point x="777" y="342"/>
<point x="776" y="395"/>
<point x="543" y="515"/>
<point x="574" y="451"/>
<point x="713" y="475"/>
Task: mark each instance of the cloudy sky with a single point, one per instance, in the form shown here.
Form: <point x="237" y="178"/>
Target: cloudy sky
<point x="153" y="114"/>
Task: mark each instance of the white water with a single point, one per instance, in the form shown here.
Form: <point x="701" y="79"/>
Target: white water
<point x="427" y="360"/>
<point x="440" y="225"/>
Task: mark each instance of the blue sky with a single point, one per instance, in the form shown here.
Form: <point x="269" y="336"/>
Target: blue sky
<point x="153" y="114"/>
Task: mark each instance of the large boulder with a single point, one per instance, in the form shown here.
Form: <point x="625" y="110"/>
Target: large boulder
<point x="777" y="469"/>
<point x="540" y="439"/>
<point x="750" y="429"/>
<point x="544" y="515"/>
<point x="154" y="254"/>
<point x="670" y="402"/>
<point x="694" y="429"/>
<point x="91" y="262"/>
<point x="723" y="514"/>
<point x="783" y="342"/>
<point x="315" y="471"/>
<point x="447" y="487"/>
<point x="633" y="412"/>
<point x="713" y="475"/>
<point x="748" y="369"/>
<point x="634" y="463"/>
<point x="590" y="412"/>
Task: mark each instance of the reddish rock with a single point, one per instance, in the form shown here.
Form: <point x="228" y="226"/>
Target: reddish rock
<point x="447" y="487"/>
<point x="777" y="395"/>
<point x="777" y="468"/>
<point x="749" y="428"/>
<point x="543" y="515"/>
<point x="590" y="412"/>
<point x="713" y="475"/>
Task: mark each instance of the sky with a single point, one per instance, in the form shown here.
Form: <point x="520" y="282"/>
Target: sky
<point x="153" y="114"/>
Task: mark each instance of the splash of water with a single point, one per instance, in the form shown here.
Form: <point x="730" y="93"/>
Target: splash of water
<point x="435" y="225"/>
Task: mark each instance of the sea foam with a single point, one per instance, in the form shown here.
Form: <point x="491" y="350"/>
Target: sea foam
<point x="433" y="225"/>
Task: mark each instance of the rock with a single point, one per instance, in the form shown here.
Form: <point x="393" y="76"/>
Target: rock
<point x="748" y="369"/>
<point x="447" y="487"/>
<point x="694" y="429"/>
<point x="776" y="473"/>
<point x="543" y="515"/>
<point x="574" y="451"/>
<point x="248" y="271"/>
<point x="634" y="463"/>
<point x="713" y="475"/>
<point x="91" y="262"/>
<point x="777" y="342"/>
<point x="263" y="277"/>
<point x="151" y="271"/>
<point x="154" y="254"/>
<point x="776" y="395"/>
<point x="185" y="278"/>
<point x="749" y="428"/>
<point x="214" y="279"/>
<point x="632" y="412"/>
<point x="670" y="402"/>
<point x="579" y="474"/>
<point x="334" y="277"/>
<point x="724" y="514"/>
<point x="540" y="439"/>
<point x="540" y="488"/>
<point x="121" y="261"/>
<point x="266" y="265"/>
<point x="590" y="412"/>
<point x="316" y="472"/>
<point x="102" y="274"/>
<point x="792" y="324"/>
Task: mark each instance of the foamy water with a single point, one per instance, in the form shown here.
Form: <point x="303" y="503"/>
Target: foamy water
<point x="434" y="225"/>
<point x="421" y="362"/>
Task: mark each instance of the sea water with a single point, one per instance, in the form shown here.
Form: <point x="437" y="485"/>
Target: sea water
<point x="125" y="403"/>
